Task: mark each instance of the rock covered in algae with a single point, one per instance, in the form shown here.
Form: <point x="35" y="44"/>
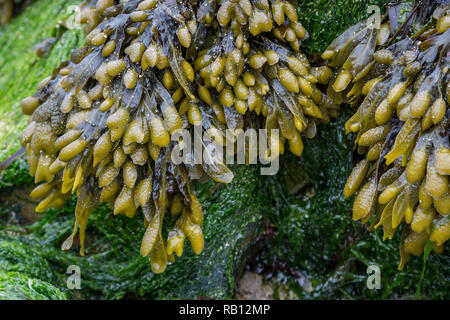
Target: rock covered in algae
<point x="111" y="269"/>
<point x="101" y="124"/>
<point x="16" y="286"/>
<point x="25" y="274"/>
<point x="402" y="127"/>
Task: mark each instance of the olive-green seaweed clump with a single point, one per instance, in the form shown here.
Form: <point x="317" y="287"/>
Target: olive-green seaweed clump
<point x="6" y="10"/>
<point x="101" y="124"/>
<point x="402" y="126"/>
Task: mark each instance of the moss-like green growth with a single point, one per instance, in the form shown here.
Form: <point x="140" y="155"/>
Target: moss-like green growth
<point x="16" y="286"/>
<point x="313" y="223"/>
<point x="16" y="175"/>
<point x="22" y="69"/>
<point x="326" y="20"/>
<point x="25" y="274"/>
<point x="17" y="257"/>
